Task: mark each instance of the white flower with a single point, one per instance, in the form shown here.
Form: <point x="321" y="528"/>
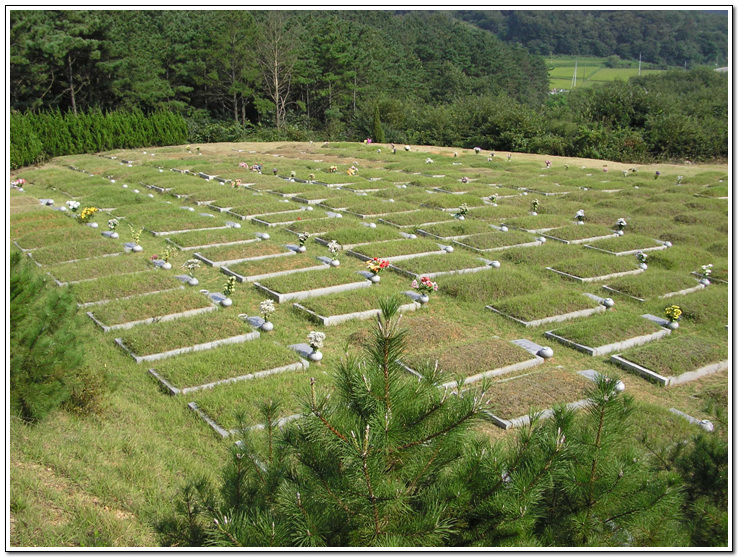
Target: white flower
<point x="73" y="205"/>
<point x="266" y="308"/>
<point x="315" y="339"/>
<point x="112" y="224"/>
<point x="429" y="161"/>
<point x="333" y="247"/>
<point x="580" y="214"/>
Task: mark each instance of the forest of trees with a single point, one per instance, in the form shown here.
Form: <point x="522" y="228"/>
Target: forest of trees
<point x="418" y="77"/>
<point x="661" y="37"/>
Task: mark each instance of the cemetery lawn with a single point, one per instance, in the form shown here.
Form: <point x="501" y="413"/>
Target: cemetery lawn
<point x="607" y="328"/>
<point x="397" y="248"/>
<point x="225" y="362"/>
<point x="466" y="360"/>
<point x="236" y="404"/>
<point x="120" y="286"/>
<point x="544" y="304"/>
<point x="626" y="242"/>
<point x="156" y="305"/>
<point x="596" y="265"/>
<point x="206" y="237"/>
<point x="652" y="283"/>
<point x="243" y="251"/>
<point x="311" y="280"/>
<point x="495" y="240"/>
<point x="679" y="353"/>
<point x="53" y="255"/>
<point x="455" y="261"/>
<point x="100" y="267"/>
<point x="275" y="265"/>
<point x="537" y="390"/>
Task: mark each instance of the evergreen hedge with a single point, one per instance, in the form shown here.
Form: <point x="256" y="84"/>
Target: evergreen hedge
<point x="38" y="136"/>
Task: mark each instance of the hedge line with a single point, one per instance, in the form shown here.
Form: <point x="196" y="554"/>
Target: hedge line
<point x="38" y="136"/>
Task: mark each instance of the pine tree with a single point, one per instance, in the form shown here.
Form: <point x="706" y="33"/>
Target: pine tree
<point x="45" y="353"/>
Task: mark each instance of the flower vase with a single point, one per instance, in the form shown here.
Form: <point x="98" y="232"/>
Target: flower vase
<point x="424" y="299"/>
<point x="335" y="262"/>
<point x="643" y="266"/>
<point x="267" y="326"/>
<point x="114" y="235"/>
<point x="166" y="266"/>
<point x="301" y="249"/>
<point x="91" y="224"/>
<point x="705" y="281"/>
<point x="137" y="248"/>
<point x="672" y="325"/>
<point x="226" y="302"/>
<point x="315" y="356"/>
<point x="375" y="279"/>
<point x="193" y="281"/>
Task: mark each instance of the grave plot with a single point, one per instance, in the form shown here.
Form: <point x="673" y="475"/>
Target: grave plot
<point x="372" y="186"/>
<point x="264" y="206"/>
<point x="579" y="234"/>
<point x="249" y="271"/>
<point x="322" y="226"/>
<point x="229" y="198"/>
<point x="157" y="341"/>
<point x="282" y="219"/>
<point x="546" y="306"/>
<point x="19" y="200"/>
<point x="236" y="253"/>
<point x="707" y="307"/>
<point x="677" y="359"/>
<point x="37" y="220"/>
<point x="187" y="241"/>
<point x="366" y="207"/>
<point x="471" y="362"/>
<point x="538" y="223"/>
<point x="341" y="200"/>
<point x="512" y="399"/>
<point x="432" y="266"/>
<point x="627" y="244"/>
<point x="110" y="196"/>
<point x="715" y="191"/>
<point x="495" y="241"/>
<point x="314" y="197"/>
<point x="547" y="189"/>
<point x="653" y="284"/>
<point x="172" y="221"/>
<point x="349" y="238"/>
<point x="455" y="229"/>
<point x="608" y="332"/>
<point x="335" y="309"/>
<point x="444" y="201"/>
<point x="488" y="287"/>
<point x="396" y="250"/>
<point x="595" y="267"/>
<point x="417" y="218"/>
<point x="64" y="235"/>
<point x="497" y="214"/>
<point x="127" y="313"/>
<point x="121" y="286"/>
<point x="299" y="286"/>
<point x="86" y="249"/>
<point x="228" y="407"/>
<point x="292" y="189"/>
<point x="97" y="267"/>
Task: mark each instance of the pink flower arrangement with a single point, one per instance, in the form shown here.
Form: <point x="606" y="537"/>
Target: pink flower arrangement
<point x="425" y="286"/>
<point x="243" y="165"/>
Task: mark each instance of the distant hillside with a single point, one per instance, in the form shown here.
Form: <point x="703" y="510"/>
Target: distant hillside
<point x="697" y="37"/>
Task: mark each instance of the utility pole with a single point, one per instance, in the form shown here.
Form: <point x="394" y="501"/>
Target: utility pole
<point x="574" y="77"/>
<point x="639" y="63"/>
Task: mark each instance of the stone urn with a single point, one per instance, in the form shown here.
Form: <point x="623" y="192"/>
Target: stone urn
<point x="424" y="299"/>
<point x="166" y="266"/>
<point x="546" y="352"/>
<point x="642" y="266"/>
<point x="267" y="326"/>
<point x="375" y="279"/>
<point x="705" y="282"/>
<point x="193" y="281"/>
<point x="608" y="302"/>
<point x="495" y="264"/>
<point x="672" y="325"/>
<point x="335" y="262"/>
<point x="137" y="248"/>
<point x="226" y="302"/>
<point x="315" y="356"/>
<point x="301" y="249"/>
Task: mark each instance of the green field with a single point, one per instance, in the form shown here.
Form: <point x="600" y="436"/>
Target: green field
<point x="590" y="70"/>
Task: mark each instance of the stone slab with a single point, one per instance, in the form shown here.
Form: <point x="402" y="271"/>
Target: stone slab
<point x="553" y="318"/>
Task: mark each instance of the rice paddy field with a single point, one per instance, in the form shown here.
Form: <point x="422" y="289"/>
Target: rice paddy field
<point x="109" y="477"/>
<point x="589" y="71"/>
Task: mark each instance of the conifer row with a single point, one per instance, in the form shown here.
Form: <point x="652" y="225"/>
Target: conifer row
<point x="38" y="136"/>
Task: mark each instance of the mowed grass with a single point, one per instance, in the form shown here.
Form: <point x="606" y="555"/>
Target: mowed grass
<point x="679" y="353"/>
<point x="607" y="328"/>
<point x="133" y="455"/>
<point x="225" y="362"/>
